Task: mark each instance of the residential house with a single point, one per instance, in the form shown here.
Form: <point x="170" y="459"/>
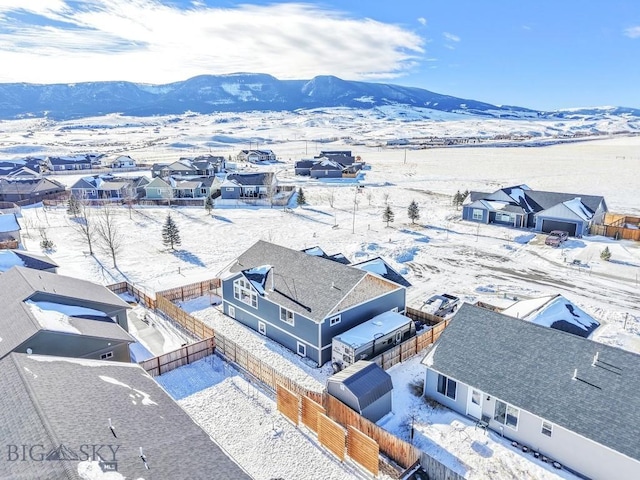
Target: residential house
<point x="123" y="161"/>
<point x="71" y="419"/>
<point x="256" y="156"/>
<point x="238" y="186"/>
<point x="326" y="168"/>
<point x="554" y="311"/>
<point x="521" y="207"/>
<point x="566" y="397"/>
<point x="158" y="189"/>
<point x="302" y="301"/>
<point x="29" y="190"/>
<point x="51" y="314"/>
<point x="365" y="387"/>
<point x="201" y="166"/>
<point x="199" y="187"/>
<point x="79" y="162"/>
<point x="9" y="229"/>
<point x="106" y="187"/>
<point x="11" y="258"/>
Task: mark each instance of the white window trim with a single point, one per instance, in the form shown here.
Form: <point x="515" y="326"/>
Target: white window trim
<point x="232" y="311"/>
<point x="301" y="346"/>
<point x="545" y="423"/>
<point x="229" y="189"/>
<point x="242" y="286"/>
<point x="106" y="355"/>
<point x="286" y="319"/>
<point x="336" y="319"/>
<point x="474" y="213"/>
<point x="262" y="328"/>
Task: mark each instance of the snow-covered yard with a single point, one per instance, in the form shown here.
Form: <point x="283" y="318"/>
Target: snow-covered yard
<point x="440" y="253"/>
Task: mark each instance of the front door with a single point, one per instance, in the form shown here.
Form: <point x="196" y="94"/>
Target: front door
<point x="474" y="403"/>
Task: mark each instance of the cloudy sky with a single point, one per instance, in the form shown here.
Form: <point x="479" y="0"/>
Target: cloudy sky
<point x="543" y="54"/>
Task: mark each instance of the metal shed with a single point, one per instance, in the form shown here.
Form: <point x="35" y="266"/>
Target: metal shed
<point x="365" y="387"/>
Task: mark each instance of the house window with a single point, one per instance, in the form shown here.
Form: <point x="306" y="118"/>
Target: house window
<point x="262" y="328"/>
<point x="286" y="316"/>
<point x="105" y="356"/>
<point x="394" y="309"/>
<point x="334" y="320"/>
<point x="506" y="414"/>
<point x="242" y="291"/>
<point x="203" y="191"/>
<point x="547" y="428"/>
<point x="503" y="217"/>
<point x="477" y="214"/>
<point x="229" y="189"/>
<point x="447" y="386"/>
<point x="232" y="311"/>
<point x="302" y="349"/>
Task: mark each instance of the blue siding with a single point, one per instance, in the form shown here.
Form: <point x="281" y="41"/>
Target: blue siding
<point x="467" y="214"/>
<point x="230" y="194"/>
<point x="326" y="173"/>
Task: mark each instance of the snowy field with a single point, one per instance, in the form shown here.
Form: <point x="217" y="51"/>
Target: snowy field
<point x="440" y="253"/>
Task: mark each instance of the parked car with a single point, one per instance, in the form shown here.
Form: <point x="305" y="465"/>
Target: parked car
<point x="556" y="238"/>
<point x="441" y="305"/>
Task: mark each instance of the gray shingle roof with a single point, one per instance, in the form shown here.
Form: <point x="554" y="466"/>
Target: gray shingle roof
<point x="18" y="323"/>
<point x="251" y="179"/>
<point x="532" y="367"/>
<point x="310" y="285"/>
<point x="39" y="407"/>
<point x="37" y="262"/>
<point x="366" y="380"/>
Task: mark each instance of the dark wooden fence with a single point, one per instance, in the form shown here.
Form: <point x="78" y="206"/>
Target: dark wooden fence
<point x="182" y="356"/>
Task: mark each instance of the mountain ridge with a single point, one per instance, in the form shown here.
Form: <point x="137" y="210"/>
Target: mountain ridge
<point x="241" y="92"/>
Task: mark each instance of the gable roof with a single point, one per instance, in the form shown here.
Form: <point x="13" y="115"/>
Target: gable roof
<point x="38" y="407"/>
<point x="532" y="367"/>
<point x="250" y="179"/>
<point x="336" y="257"/>
<point x="310" y="285"/>
<point x="379" y="267"/>
<point x="572" y="209"/>
<point x="25" y="313"/>
<point x="554" y="311"/>
<point x="366" y="380"/>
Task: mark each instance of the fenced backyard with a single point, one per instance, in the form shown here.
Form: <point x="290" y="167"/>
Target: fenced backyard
<point x="338" y="427"/>
<point x="620" y="227"/>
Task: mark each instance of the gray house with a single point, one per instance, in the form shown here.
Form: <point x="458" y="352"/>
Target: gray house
<point x="303" y="167"/>
<point x="521" y="207"/>
<point x="326" y="168"/>
<point x="302" y="301"/>
<point x="567" y="397"/>
<point x="365" y="387"/>
<point x="240" y="186"/>
<point x="51" y="314"/>
<point x="91" y="419"/>
<point x="29" y="190"/>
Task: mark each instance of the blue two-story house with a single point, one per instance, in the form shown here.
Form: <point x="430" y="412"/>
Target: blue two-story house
<point x="302" y="300"/>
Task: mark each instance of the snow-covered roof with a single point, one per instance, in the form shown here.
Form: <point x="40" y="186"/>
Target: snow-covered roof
<point x="378" y="326"/>
<point x="579" y="208"/>
<point x="9" y="259"/>
<point x="379" y="267"/>
<point x="9" y="223"/>
<point x="258" y="277"/>
<point x="554" y="311"/>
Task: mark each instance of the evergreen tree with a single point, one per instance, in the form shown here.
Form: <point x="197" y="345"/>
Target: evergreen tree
<point x="413" y="211"/>
<point x="605" y="254"/>
<point x="170" y="233"/>
<point x="387" y="215"/>
<point x="301" y="198"/>
<point x="208" y="205"/>
<point x="73" y="206"/>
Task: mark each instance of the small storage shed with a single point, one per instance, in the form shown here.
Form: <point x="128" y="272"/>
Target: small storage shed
<point x="365" y="387"/>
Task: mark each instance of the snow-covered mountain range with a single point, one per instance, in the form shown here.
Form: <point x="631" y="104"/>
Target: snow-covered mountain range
<point x="244" y="92"/>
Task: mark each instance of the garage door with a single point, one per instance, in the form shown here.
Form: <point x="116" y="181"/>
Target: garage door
<point x="548" y="225"/>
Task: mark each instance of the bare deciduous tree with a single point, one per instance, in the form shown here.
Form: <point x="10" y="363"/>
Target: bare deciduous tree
<point x="84" y="225"/>
<point x="110" y="236"/>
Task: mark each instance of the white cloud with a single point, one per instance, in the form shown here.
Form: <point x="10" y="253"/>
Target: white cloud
<point x="422" y="21"/>
<point x="632" y="32"/>
<point x="451" y="37"/>
<point x="149" y="41"/>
